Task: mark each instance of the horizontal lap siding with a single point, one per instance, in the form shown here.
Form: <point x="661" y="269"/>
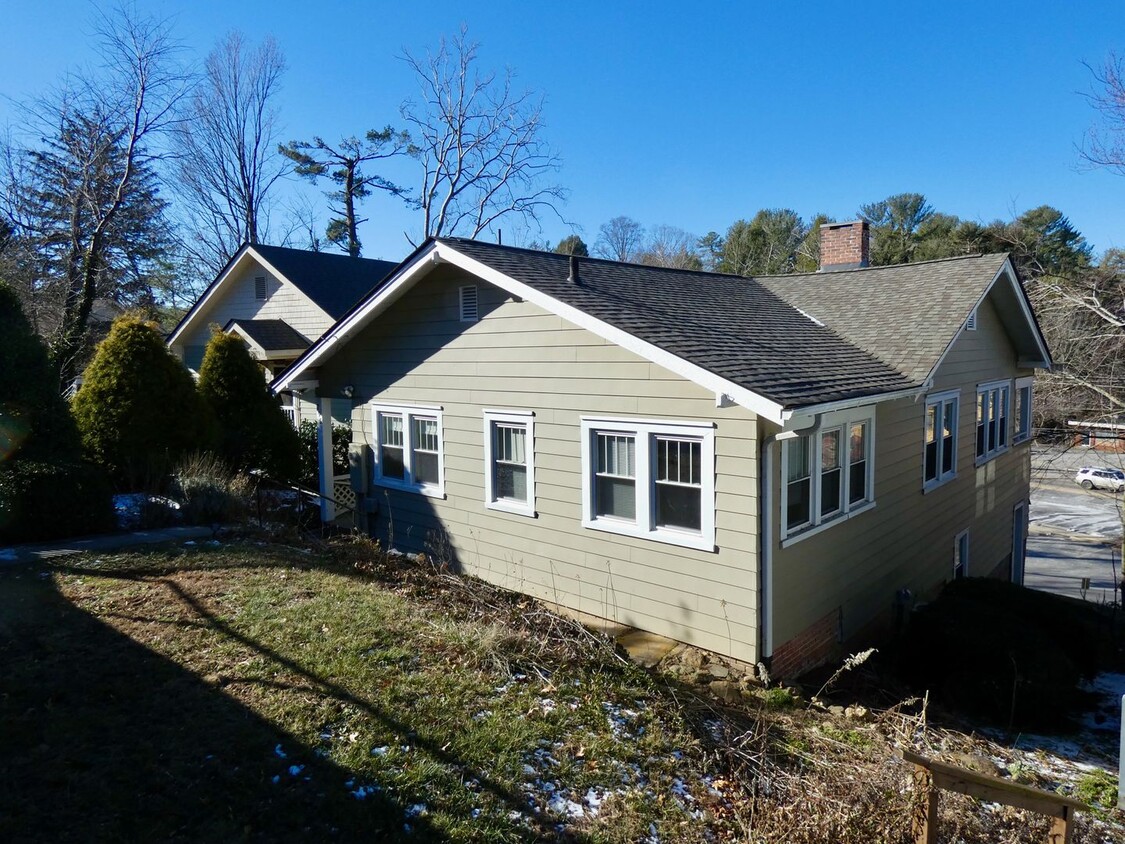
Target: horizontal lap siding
<point x="236" y="300"/>
<point x="907" y="540"/>
<point x="519" y="357"/>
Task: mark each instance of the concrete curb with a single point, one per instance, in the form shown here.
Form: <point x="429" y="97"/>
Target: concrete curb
<point x="22" y="554"/>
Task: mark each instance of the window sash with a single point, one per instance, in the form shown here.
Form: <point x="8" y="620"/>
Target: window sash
<point x="1022" y="413"/>
<point x="650" y="479"/>
<point x="940" y="441"/>
<point x="409" y="449"/>
<point x="992" y="420"/>
<point x="820" y="484"/>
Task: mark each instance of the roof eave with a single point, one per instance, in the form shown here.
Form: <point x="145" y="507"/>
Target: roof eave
<point x="432" y="252"/>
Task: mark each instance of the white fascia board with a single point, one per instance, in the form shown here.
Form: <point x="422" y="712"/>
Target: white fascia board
<point x="247" y="252"/>
<point x="323" y="348"/>
<point x="760" y="405"/>
<point x="409" y="274"/>
<point x="798" y="417"/>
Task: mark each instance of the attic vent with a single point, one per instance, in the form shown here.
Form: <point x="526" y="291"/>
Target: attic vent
<point x="469" y="303"/>
<point x="260" y="291"/>
<point x="971" y="322"/>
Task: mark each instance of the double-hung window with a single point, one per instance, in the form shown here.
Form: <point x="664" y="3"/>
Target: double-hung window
<point x="1022" y="414"/>
<point x="650" y="478"/>
<point x="940" y="457"/>
<point x="509" y="457"/>
<point x="826" y="474"/>
<point x="993" y="401"/>
<point x="408" y="448"/>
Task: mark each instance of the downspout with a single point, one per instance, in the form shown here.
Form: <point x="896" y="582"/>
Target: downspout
<point x="765" y="556"/>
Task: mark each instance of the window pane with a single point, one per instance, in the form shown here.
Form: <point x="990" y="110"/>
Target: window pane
<point x="830" y="483"/>
<point x="982" y="417"/>
<point x="798" y="462"/>
<point x="390" y="429"/>
<point x="948" y="430"/>
<point x="1003" y="414"/>
<point x="931" y="461"/>
<point x="510" y="444"/>
<point x="858" y="448"/>
<point x="511" y="482"/>
<point x="616" y="497"/>
<point x="857" y="482"/>
<point x="425" y="468"/>
<point x="797" y="510"/>
<point x="678" y="507"/>
<point x="390" y="462"/>
<point x="425" y="433"/>
<point x="617" y="455"/>
<point x="677" y="461"/>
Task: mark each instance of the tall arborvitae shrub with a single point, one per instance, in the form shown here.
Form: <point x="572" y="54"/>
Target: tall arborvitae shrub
<point x="46" y="489"/>
<point x="138" y="410"/>
<point x="253" y="430"/>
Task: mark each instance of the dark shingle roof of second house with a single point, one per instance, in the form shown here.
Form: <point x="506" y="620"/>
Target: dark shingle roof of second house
<point x="333" y="282"/>
<point x="905" y="315"/>
<point x="731" y="326"/>
<point x="273" y="335"/>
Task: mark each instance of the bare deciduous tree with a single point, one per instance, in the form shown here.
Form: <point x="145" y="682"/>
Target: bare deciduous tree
<point x="343" y="164"/>
<point x="621" y="239"/>
<point x="480" y="145"/>
<point x="1105" y="144"/>
<point x="82" y="196"/>
<point x="227" y="149"/>
<point x="673" y="247"/>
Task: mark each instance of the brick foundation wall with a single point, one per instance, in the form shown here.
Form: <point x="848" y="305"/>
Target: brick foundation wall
<point x="815" y="645"/>
<point x="845" y="245"/>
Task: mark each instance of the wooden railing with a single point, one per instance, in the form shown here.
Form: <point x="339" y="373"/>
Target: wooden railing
<point x="933" y="777"/>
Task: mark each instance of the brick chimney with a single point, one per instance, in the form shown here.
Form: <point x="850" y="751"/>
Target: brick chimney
<point x="845" y="246"/>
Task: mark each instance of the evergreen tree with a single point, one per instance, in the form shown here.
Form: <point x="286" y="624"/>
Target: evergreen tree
<point x="253" y="431"/>
<point x="573" y="245"/>
<point x="895" y="225"/>
<point x="46" y="490"/>
<point x="138" y="410"/>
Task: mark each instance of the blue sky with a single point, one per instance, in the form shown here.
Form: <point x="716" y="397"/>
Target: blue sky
<point x="695" y="115"/>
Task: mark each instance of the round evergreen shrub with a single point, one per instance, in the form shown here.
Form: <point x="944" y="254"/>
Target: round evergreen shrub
<point x="254" y="432"/>
<point x="138" y="410"/>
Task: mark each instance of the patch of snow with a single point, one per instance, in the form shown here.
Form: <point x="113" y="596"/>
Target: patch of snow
<point x="364" y="791"/>
<point x="484" y="713"/>
<point x="417" y="810"/>
<point x="475" y="813"/>
<point x="7" y="553"/>
<point x="281" y="754"/>
<point x="276" y="779"/>
<point x="560" y="805"/>
<point x="190" y="542"/>
<point x="379" y="751"/>
<point x="295" y="769"/>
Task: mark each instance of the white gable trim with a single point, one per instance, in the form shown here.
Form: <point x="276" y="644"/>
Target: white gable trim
<point x="440" y="252"/>
<point x="1006" y="271"/>
<point x="248" y="253"/>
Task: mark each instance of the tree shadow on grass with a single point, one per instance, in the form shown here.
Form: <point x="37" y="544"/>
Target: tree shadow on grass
<point x="104" y="739"/>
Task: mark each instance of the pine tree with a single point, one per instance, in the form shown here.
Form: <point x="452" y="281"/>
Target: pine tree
<point x="46" y="490"/>
<point x="253" y="431"/>
<point x="138" y="410"/>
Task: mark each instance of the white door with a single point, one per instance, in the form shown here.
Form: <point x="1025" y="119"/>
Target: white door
<point x="1019" y="541"/>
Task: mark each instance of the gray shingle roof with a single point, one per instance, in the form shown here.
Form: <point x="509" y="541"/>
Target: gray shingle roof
<point x="273" y="335"/>
<point x="334" y="282"/>
<point x="905" y="315"/>
<point x="731" y="326"/>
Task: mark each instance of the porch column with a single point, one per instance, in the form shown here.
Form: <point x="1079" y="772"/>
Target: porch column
<point x="327" y="504"/>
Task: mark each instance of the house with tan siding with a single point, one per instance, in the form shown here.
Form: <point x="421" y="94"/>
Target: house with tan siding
<point x="770" y="469"/>
<point x="279" y="301"/>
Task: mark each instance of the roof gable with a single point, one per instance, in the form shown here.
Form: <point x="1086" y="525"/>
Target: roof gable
<point x="331" y="283"/>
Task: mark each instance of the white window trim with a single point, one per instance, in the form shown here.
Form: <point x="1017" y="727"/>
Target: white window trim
<point x="514" y="417"/>
<point x="407" y="411"/>
<point x="645" y="430"/>
<point x="1019" y="436"/>
<point x="940" y="400"/>
<point x="841" y="419"/>
<point x="981" y="459"/>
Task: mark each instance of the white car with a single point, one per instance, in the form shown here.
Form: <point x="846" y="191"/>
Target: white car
<point x="1111" y="479"/>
